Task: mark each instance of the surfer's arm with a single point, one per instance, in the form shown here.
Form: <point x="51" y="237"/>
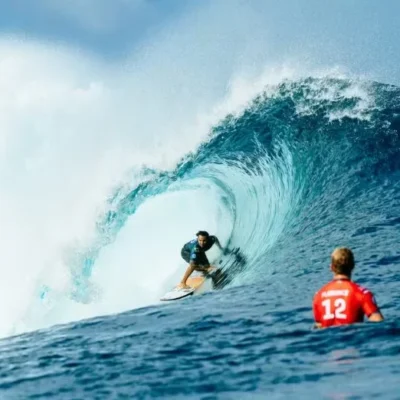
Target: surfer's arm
<point x="316" y="313"/>
<point x="188" y="272"/>
<point x="370" y="308"/>
<point x="216" y="241"/>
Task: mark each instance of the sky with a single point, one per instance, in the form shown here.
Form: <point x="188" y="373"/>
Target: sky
<point x="108" y="27"/>
<point x="361" y="35"/>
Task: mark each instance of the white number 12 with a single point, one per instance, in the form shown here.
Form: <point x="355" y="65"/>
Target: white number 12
<point x="339" y="306"/>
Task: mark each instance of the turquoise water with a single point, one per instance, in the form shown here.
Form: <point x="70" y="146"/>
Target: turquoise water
<point x="306" y="166"/>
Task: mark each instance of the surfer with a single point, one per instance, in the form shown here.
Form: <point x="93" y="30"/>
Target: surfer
<point x="194" y="254"/>
<point x="341" y="301"/>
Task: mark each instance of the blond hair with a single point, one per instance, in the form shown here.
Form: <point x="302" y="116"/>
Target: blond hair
<point x="342" y="261"/>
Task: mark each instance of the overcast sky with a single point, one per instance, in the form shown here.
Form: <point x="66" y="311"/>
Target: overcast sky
<point x="363" y="35"/>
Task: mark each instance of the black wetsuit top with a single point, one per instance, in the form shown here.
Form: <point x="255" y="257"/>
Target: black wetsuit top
<point x="192" y="251"/>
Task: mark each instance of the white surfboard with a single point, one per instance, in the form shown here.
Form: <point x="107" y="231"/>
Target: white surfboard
<point x="195" y="282"/>
<point x="176" y="294"/>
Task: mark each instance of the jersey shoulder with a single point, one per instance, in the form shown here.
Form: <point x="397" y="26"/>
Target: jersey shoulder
<point x="359" y="287"/>
<point x="191" y="243"/>
<point x="337" y="286"/>
<point x="324" y="288"/>
<point x="360" y="290"/>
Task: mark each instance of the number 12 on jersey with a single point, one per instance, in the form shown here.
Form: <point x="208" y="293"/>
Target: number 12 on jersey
<point x="334" y="308"/>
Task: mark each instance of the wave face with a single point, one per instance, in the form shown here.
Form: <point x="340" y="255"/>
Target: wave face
<point x="305" y="166"/>
<point x="299" y="169"/>
<point x="286" y="179"/>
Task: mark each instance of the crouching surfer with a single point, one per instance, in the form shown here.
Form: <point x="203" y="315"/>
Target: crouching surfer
<point x="194" y="253"/>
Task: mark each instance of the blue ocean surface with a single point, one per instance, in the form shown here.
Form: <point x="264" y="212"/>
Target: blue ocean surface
<point x="308" y="165"/>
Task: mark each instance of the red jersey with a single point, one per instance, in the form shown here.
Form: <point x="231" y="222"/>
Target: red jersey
<point x="342" y="302"/>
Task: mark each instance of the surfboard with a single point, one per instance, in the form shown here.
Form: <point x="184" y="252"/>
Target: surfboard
<point x="176" y="294"/>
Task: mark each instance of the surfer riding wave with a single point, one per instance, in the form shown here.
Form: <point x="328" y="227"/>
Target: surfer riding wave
<point x="194" y="253"/>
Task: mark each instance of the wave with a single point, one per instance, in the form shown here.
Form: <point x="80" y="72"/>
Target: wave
<point x="285" y="179"/>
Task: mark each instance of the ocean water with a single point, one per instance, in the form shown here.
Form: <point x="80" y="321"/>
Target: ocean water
<point x="307" y="166"/>
<point x="98" y="197"/>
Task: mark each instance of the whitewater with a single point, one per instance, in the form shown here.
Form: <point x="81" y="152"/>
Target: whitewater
<point x="81" y="147"/>
<point x="109" y="166"/>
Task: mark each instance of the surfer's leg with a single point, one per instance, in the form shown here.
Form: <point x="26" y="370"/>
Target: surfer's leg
<point x="188" y="272"/>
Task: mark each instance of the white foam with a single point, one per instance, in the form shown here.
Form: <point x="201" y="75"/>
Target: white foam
<point x="74" y="127"/>
<point x="70" y="128"/>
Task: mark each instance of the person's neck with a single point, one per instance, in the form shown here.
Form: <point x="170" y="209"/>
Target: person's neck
<point x="337" y="277"/>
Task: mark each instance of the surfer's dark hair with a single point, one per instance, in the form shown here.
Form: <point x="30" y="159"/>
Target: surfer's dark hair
<point x="202" y="233"/>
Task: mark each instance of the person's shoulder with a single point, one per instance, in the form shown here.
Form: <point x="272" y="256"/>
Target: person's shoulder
<point x="324" y="288"/>
<point x="192" y="244"/>
<point x="365" y="296"/>
<point x="359" y="288"/>
<point x="362" y="291"/>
